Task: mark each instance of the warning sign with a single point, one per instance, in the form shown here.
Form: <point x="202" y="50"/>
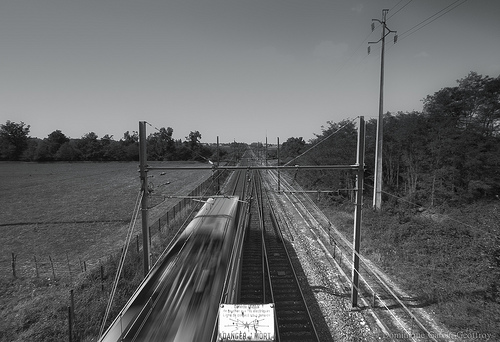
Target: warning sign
<point x="246" y="322"/>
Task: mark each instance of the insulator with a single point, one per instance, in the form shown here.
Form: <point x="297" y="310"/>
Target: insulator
<point x="369" y="49"/>
<point x="373" y="27"/>
<point x="395" y="38"/>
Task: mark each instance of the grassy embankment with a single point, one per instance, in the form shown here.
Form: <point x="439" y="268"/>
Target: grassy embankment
<point x="72" y="212"/>
<point x="450" y="261"/>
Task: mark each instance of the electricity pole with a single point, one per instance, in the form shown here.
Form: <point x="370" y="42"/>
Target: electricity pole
<point x="357" y="211"/>
<point x="144" y="201"/>
<point x="377" y="188"/>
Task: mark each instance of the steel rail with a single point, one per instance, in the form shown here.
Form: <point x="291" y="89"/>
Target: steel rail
<point x="231" y="286"/>
<point x="383" y="283"/>
<point x="265" y="261"/>
<point x="280" y="233"/>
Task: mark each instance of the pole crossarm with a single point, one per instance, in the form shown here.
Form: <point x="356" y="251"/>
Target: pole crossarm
<point x="258" y="167"/>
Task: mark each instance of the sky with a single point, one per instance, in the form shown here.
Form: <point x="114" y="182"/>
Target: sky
<point x="239" y="70"/>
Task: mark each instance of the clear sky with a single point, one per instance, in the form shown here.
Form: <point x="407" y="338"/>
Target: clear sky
<point x="237" y="69"/>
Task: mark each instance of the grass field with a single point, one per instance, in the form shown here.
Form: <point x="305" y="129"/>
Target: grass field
<point x="69" y="213"/>
<point x="449" y="262"/>
<point x="76" y="210"/>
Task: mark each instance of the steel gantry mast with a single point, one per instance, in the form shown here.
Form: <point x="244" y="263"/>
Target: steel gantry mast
<point x="359" y="167"/>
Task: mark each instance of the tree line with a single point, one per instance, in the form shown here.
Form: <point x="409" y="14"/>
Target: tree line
<point x="447" y="153"/>
<point x="16" y="144"/>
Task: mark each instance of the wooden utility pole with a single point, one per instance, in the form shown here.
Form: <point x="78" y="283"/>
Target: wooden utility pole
<point x="144" y="189"/>
<point x="360" y="161"/>
<point x="377" y="187"/>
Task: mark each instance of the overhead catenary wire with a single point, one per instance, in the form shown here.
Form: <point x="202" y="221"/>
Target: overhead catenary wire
<point x="321" y="141"/>
<point x="187" y="219"/>
<point x="122" y="261"/>
<point x="364" y="261"/>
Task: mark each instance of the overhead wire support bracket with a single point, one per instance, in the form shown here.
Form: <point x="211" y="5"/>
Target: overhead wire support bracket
<point x="259" y="167"/>
<point x="359" y="166"/>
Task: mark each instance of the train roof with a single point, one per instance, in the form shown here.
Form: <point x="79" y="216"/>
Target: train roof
<point x="219" y="206"/>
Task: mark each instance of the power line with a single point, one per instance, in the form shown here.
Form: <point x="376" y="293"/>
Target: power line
<point x="355" y="51"/>
<point x="396" y="5"/>
<point x="399" y="9"/>
<point x="434" y="17"/>
<point x="321" y="141"/>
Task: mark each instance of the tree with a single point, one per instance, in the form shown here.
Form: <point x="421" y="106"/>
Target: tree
<point x="90" y="147"/>
<point x="473" y="104"/>
<point x="13" y="140"/>
<point x="464" y="122"/>
<point x="30" y="151"/>
<point x="129" y="139"/>
<point x="68" y="152"/>
<point x="292" y="147"/>
<point x="336" y="145"/>
<point x="55" y="140"/>
<point x="161" y="145"/>
<point x="193" y="139"/>
<point x="406" y="155"/>
<point x="193" y="143"/>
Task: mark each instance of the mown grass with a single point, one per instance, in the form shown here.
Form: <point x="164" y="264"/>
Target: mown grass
<point x="449" y="261"/>
<point x="79" y="209"/>
<point x="73" y="211"/>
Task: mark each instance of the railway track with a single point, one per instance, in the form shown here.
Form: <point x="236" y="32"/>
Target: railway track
<point x="395" y="312"/>
<point x="268" y="273"/>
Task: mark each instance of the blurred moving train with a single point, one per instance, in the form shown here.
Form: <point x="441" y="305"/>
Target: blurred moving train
<point x="179" y="298"/>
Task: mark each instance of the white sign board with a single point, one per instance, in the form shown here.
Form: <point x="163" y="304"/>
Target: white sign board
<point x="246" y="322"/>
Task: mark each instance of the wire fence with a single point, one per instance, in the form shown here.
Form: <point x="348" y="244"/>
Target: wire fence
<point x="66" y="268"/>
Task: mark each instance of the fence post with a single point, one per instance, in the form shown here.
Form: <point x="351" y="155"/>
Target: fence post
<point x="102" y="278"/>
<point x="36" y="267"/>
<point x="69" y="269"/>
<point x="14" y="257"/>
<point x="70" y="325"/>
<point x="72" y="303"/>
<point x="52" y="266"/>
